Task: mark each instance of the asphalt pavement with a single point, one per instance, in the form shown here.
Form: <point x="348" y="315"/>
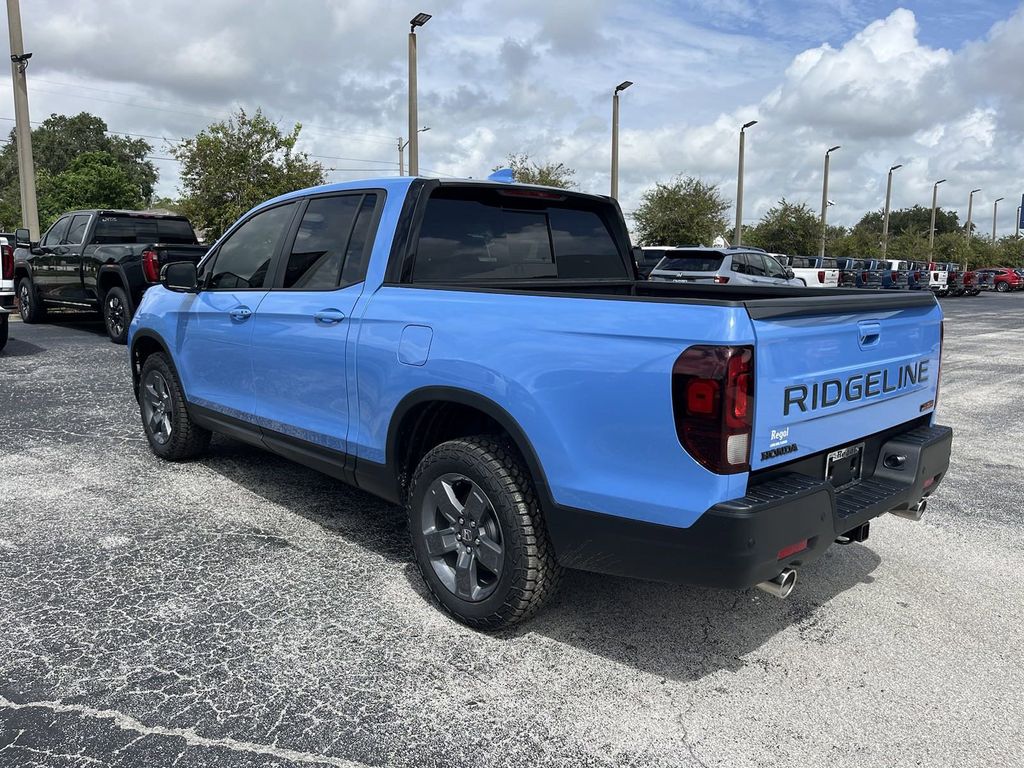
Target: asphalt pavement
<point x="241" y="610"/>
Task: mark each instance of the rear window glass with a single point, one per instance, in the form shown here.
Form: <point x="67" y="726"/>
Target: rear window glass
<point x="829" y="264"/>
<point x="682" y="261"/>
<point x="801" y="262"/>
<point x="112" y="230"/>
<point x="474" y="234"/>
<point x="652" y="255"/>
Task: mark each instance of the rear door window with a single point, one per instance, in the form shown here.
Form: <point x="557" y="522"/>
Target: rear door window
<point x="485" y="234"/>
<point x="330" y="244"/>
<point x="76" y="232"/>
<point x="755" y="265"/>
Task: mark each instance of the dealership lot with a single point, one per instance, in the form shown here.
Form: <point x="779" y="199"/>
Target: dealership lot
<point x="242" y="610"/>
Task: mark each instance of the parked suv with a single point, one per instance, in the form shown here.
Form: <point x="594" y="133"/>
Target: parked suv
<point x="734" y="266"/>
<point x="812" y="271"/>
<point x="1003" y="278"/>
<point x="99" y="260"/>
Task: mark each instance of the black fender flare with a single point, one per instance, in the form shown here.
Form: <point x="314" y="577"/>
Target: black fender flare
<point x="145" y="333"/>
<point x="115" y="269"/>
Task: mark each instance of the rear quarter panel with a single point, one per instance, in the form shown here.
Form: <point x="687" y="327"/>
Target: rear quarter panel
<point x="587" y="380"/>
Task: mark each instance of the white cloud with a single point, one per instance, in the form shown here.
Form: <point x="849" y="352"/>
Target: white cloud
<point x="537" y="75"/>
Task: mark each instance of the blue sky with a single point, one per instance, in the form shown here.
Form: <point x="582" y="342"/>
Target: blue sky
<point x="933" y="85"/>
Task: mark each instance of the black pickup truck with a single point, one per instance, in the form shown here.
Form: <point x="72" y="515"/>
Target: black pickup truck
<point x="99" y="260"/>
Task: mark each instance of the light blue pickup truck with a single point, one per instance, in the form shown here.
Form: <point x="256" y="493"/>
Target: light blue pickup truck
<point x="484" y="354"/>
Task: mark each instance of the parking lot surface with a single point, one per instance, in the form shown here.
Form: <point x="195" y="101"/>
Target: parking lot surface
<point x="244" y="611"/>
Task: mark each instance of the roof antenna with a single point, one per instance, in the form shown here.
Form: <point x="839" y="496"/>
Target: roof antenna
<point x="504" y="175"/>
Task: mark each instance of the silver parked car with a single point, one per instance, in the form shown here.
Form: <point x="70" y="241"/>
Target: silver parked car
<point x="735" y="266"/>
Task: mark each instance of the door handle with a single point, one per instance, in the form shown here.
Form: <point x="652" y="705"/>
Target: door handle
<point x="240" y="314"/>
<point x="329" y="316"/>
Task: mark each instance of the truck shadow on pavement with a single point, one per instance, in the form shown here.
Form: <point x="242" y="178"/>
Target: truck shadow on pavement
<point x="16" y="348"/>
<point x="676" y="632"/>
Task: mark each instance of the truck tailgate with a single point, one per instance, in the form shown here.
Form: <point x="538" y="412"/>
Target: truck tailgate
<point x="173" y="253"/>
<point x="825" y="379"/>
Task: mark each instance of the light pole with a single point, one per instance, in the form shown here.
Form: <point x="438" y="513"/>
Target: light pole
<point x="615" y="135"/>
<point x="1016" y="233"/>
<point x="22" y="128"/>
<point x="414" y="145"/>
<point x="824" y="198"/>
<point x="995" y="210"/>
<point x="931" y="229"/>
<point x="970" y="212"/>
<point x="885" y="216"/>
<point x="738" y="238"/>
<point x="401" y="150"/>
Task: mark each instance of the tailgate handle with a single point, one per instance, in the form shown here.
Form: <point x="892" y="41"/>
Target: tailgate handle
<point x="869" y="333"/>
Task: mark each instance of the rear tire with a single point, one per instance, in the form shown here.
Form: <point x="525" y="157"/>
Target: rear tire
<point x="29" y="305"/>
<point x="1002" y="287"/>
<point x="478" y="533"/>
<point x="116" y="315"/>
<point x="171" y="433"/>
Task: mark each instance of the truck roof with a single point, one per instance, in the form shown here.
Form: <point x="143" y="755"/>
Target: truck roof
<point x="116" y="212"/>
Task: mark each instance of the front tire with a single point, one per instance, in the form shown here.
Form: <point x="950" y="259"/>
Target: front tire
<point x="29" y="306"/>
<point x="478" y="533"/>
<point x="116" y="315"/>
<point x="171" y="433"/>
<point x="1002" y="287"/>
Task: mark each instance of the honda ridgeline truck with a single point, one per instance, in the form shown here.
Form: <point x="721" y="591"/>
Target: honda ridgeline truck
<point x="484" y="354"/>
<point x="99" y="260"/>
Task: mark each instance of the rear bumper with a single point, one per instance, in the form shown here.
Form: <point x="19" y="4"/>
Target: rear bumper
<point x="736" y="543"/>
<point x="7" y="299"/>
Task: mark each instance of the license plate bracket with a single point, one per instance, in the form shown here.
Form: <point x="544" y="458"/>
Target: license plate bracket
<point x="845" y="466"/>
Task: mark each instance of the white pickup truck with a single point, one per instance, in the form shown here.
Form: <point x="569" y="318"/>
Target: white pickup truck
<point x="812" y="271"/>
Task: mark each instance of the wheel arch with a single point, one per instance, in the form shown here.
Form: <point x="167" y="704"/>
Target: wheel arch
<point x="112" y="276"/>
<point x="144" y="344"/>
<point x="430" y="415"/>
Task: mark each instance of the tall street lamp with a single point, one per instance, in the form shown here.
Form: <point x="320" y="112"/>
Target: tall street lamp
<point x="414" y="144"/>
<point x="615" y="135"/>
<point x="824" y="199"/>
<point x="970" y="212"/>
<point x="931" y="229"/>
<point x="995" y="210"/>
<point x="1016" y="234"/>
<point x="401" y="150"/>
<point x="885" y="216"/>
<point x="738" y="237"/>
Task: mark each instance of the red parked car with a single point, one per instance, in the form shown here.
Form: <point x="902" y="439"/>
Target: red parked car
<point x="1004" y="279"/>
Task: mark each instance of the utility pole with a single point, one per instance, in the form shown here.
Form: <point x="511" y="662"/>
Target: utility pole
<point x="995" y="211"/>
<point x="615" y="136"/>
<point x="401" y="157"/>
<point x="738" y="237"/>
<point x="931" y="229"/>
<point x="414" y="143"/>
<point x="22" y="127"/>
<point x="888" y="202"/>
<point x="1016" y="234"/>
<point x="970" y="212"/>
<point x="824" y="200"/>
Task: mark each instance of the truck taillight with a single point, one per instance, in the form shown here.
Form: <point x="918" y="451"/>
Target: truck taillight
<point x="821" y="275"/>
<point x="917" y="275"/>
<point x="713" y="405"/>
<point x="864" y="276"/>
<point x="895" y="276"/>
<point x="7" y="262"/>
<point x="721" y="279"/>
<point x="151" y="266"/>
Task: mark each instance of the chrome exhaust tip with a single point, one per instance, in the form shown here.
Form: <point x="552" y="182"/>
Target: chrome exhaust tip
<point x="916" y="511"/>
<point x="781" y="585"/>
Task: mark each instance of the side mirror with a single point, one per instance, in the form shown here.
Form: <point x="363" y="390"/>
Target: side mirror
<point x="790" y="274"/>
<point x="180" y="276"/>
<point x="22" y="238"/>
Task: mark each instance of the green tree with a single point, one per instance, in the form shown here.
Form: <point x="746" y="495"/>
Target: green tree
<point x="56" y="144"/>
<point x="92" y="180"/>
<point x="525" y="170"/>
<point x="233" y="165"/>
<point x="790" y="228"/>
<point x="686" y="211"/>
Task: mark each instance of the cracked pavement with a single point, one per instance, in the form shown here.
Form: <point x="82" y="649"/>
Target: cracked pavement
<point x="245" y="611"/>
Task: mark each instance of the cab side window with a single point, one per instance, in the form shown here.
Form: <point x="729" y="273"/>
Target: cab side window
<point x="331" y="244"/>
<point x="76" y="232"/>
<point x="56" y="233"/>
<point x="243" y="260"/>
